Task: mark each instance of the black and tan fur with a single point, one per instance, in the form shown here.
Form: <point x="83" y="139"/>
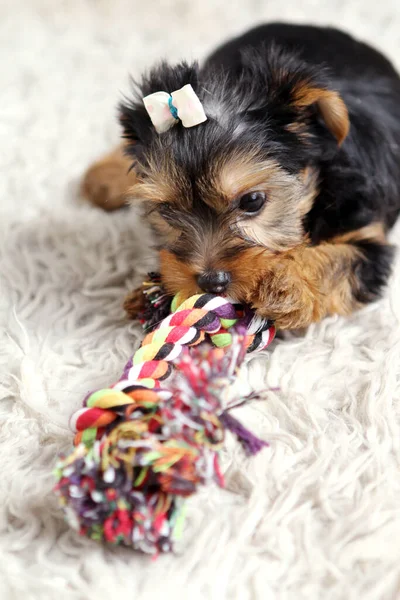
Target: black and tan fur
<point x="307" y="116"/>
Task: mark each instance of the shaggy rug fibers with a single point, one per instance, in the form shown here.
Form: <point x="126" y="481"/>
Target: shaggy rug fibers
<point x="314" y="516"/>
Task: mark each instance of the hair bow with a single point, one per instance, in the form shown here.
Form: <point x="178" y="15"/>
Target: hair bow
<point x="165" y="110"/>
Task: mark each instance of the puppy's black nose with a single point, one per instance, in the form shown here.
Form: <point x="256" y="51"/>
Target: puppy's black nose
<point x="214" y="282"/>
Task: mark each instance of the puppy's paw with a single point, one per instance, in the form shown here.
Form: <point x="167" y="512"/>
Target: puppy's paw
<point x="287" y="297"/>
<point x="107" y="181"/>
<point x="134" y="303"/>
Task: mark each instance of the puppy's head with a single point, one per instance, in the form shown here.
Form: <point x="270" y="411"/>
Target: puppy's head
<point x="226" y="194"/>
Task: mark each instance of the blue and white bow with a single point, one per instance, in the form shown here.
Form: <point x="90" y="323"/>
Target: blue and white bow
<point x="165" y="110"/>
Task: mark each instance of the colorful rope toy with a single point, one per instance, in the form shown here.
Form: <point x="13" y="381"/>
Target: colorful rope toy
<point x="145" y="444"/>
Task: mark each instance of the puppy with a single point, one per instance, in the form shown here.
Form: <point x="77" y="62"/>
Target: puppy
<point x="282" y="198"/>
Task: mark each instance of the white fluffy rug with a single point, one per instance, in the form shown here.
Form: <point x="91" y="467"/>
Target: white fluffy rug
<point x="315" y="516"/>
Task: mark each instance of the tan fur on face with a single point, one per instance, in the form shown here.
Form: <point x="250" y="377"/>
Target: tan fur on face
<point x="240" y="173"/>
<point x="162" y="181"/>
<point x="279" y="226"/>
<point x="164" y="230"/>
<point x="289" y="199"/>
<point x="177" y="276"/>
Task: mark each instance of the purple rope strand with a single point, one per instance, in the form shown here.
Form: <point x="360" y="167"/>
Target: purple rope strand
<point x="250" y="442"/>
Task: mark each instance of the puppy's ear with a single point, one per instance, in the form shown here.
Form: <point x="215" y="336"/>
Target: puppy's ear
<point x="294" y="87"/>
<point x="330" y="106"/>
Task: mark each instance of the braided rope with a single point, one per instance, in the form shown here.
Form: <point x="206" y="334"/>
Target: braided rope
<point x="140" y="447"/>
<point x="186" y="326"/>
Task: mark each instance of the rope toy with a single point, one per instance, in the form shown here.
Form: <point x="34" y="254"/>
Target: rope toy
<point x="145" y="444"/>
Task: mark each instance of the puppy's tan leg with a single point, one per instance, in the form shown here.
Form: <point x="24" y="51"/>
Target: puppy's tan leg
<point x="306" y="284"/>
<point x="107" y="181"/>
<point x="303" y="285"/>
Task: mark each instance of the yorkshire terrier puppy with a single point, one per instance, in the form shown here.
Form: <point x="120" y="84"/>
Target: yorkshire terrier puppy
<point x="282" y="198"/>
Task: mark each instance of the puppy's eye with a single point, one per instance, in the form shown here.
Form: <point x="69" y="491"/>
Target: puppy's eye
<point x="252" y="203"/>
